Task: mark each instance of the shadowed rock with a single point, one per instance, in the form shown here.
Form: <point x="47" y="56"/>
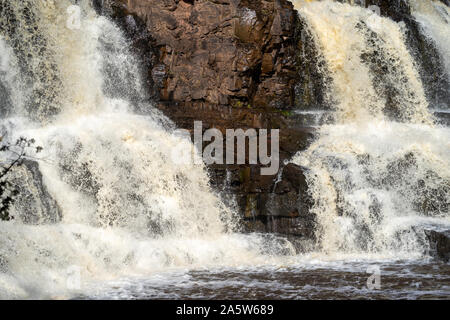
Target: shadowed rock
<point x="34" y="203"/>
<point x="439" y="244"/>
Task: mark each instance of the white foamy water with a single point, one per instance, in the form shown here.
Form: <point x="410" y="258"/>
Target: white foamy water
<point x="311" y="279"/>
<point x="376" y="183"/>
<point x="434" y="18"/>
<point x="126" y="207"/>
<point x="344" y="34"/>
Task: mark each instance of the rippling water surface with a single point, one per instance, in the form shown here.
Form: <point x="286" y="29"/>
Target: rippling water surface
<point x="336" y="280"/>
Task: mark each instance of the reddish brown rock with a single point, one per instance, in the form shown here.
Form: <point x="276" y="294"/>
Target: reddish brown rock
<point x="222" y="52"/>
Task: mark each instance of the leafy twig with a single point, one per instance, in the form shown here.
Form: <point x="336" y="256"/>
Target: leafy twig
<point x="8" y="192"/>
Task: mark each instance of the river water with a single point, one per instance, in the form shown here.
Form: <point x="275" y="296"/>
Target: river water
<point x="313" y="280"/>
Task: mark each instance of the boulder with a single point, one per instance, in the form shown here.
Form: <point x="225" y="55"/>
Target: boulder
<point x="34" y="204"/>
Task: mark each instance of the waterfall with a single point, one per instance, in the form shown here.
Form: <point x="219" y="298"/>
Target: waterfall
<point x="123" y="207"/>
<point x="434" y="18"/>
<point x="360" y="47"/>
<point x="379" y="174"/>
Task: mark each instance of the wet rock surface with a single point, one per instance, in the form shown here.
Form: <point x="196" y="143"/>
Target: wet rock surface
<point x="439" y="244"/>
<point x="34" y="203"/>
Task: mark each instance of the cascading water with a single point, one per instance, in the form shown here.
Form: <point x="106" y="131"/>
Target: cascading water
<point x="380" y="173"/>
<point x="104" y="200"/>
<point x="434" y="18"/>
<point x="125" y="207"/>
<point x="359" y="47"/>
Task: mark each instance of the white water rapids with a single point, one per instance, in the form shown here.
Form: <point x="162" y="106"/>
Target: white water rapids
<point x="379" y="174"/>
<point x="128" y="210"/>
<point x="434" y="18"/>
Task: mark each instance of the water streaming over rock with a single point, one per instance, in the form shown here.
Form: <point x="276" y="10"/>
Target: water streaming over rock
<point x="121" y="205"/>
<point x="380" y="173"/>
<point x="434" y="17"/>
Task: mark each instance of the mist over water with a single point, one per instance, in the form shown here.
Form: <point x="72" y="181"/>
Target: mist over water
<point x="121" y="208"/>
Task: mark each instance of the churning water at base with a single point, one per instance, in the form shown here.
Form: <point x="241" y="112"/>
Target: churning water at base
<point x="308" y="279"/>
<point x="121" y="209"/>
